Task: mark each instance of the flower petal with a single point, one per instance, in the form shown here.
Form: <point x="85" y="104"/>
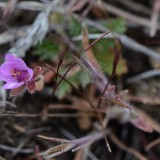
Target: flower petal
<point x="10" y="57"/>
<point x="12" y="85"/>
<point x="19" y="63"/>
<point x="13" y="63"/>
<point x="30" y="72"/>
<point x="6" y="68"/>
<point x="5" y="78"/>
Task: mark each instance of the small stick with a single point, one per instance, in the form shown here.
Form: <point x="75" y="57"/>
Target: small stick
<point x="144" y="75"/>
<point x="61" y="58"/>
<point x="71" y="86"/>
<point x="122" y="146"/>
<point x="23" y="115"/>
<point x="115" y="63"/>
<point x="63" y="77"/>
<point x="94" y="42"/>
<point x="152" y="144"/>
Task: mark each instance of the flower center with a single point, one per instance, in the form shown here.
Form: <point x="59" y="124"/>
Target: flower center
<point x="20" y="75"/>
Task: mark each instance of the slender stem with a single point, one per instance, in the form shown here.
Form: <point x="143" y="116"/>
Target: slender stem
<point x="61" y="58"/>
<point x="94" y="42"/>
<point x="63" y="77"/>
<point x="23" y="115"/>
<point x="72" y="86"/>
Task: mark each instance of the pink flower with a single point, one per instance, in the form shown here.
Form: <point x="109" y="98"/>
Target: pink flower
<point x="17" y="75"/>
<point x="14" y="72"/>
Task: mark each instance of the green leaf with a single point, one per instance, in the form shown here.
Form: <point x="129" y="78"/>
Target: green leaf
<point x="74" y="26"/>
<point x="81" y="78"/>
<point x="47" y="50"/>
<point x="63" y="89"/>
<point x="104" y="55"/>
<point x="117" y="25"/>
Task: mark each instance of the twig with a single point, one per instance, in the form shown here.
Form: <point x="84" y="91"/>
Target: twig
<point x="1" y="158"/>
<point x="20" y="146"/>
<point x="154" y="17"/>
<point x="48" y="66"/>
<point x="70" y="5"/>
<point x="11" y="34"/>
<point x="115" y="63"/>
<point x="136" y="6"/>
<point x="9" y="8"/>
<point x="61" y="58"/>
<point x="23" y="115"/>
<point x="94" y="42"/>
<point x="35" y="33"/>
<point x="93" y="36"/>
<point x="29" y="5"/>
<point x="13" y="149"/>
<point x="37" y="130"/>
<point x="63" y="77"/>
<point x="153" y="144"/>
<point x="92" y="156"/>
<point x="126" y="148"/>
<point x="74" y="107"/>
<point x="132" y="44"/>
<point x="128" y="16"/>
<point x="144" y="75"/>
<point x="7" y="103"/>
<point x="146" y="100"/>
<point x="125" y="40"/>
<point x="114" y="67"/>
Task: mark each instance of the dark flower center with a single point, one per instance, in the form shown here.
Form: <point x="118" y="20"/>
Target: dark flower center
<point x="20" y="75"/>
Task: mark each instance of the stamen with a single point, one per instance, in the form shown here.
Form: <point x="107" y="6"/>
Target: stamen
<point x="20" y="75"/>
<point x="15" y="73"/>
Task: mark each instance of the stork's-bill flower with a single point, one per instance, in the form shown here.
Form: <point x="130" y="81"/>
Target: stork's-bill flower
<point x="17" y="75"/>
<point x="14" y="72"/>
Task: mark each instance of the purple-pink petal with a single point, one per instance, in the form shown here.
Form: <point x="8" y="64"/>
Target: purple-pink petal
<point x="30" y="72"/>
<point x="19" y="63"/>
<point x="5" y="78"/>
<point x="12" y="85"/>
<point x="10" y="57"/>
<point x="6" y="68"/>
<point x="15" y="72"/>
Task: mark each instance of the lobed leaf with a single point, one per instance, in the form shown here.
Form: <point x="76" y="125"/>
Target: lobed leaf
<point x="80" y="78"/>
